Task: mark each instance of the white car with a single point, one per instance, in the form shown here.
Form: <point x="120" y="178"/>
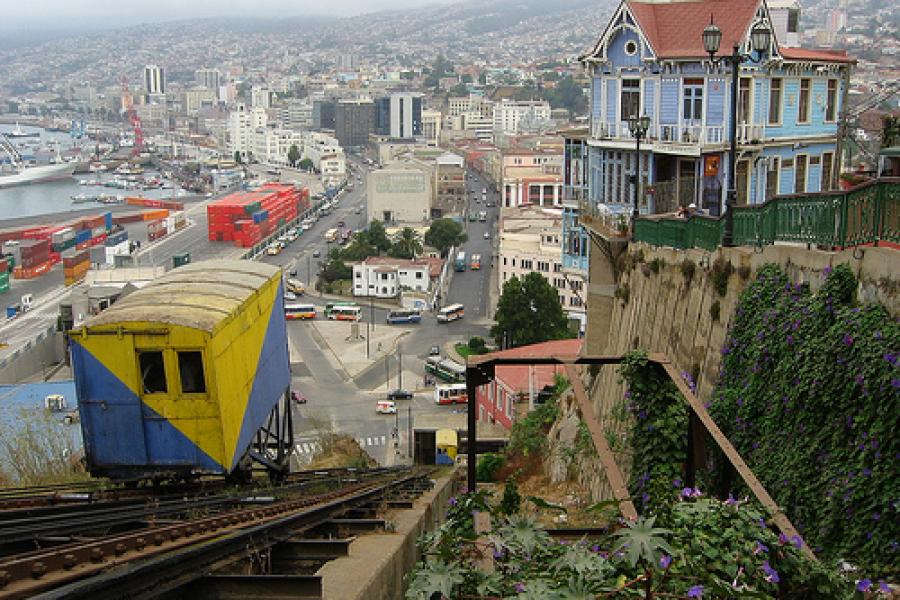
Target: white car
<point x="487" y="235"/>
<point x="290" y="296"/>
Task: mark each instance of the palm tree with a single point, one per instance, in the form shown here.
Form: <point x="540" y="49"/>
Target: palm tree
<point x="406" y="244"/>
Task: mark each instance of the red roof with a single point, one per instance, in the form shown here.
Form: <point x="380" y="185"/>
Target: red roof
<point x="675" y="29"/>
<point x="815" y="55"/>
<point x="515" y="377"/>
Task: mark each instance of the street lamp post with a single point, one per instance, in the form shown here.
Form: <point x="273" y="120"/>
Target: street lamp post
<point x="638" y="127"/>
<point x="760" y="38"/>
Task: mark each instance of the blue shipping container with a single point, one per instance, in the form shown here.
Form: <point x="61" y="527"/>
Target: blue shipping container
<point x="107" y="218"/>
<point x="260" y="216"/>
<point x="117" y="238"/>
<point x="82" y="236"/>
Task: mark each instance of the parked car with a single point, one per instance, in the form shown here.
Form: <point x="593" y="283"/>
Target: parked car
<point x="297" y="397"/>
<point x="340" y="223"/>
<point x="434" y="351"/>
<point x="399" y="394"/>
<point x="487" y="235"/>
<point x="317" y="253"/>
<point x="289" y="296"/>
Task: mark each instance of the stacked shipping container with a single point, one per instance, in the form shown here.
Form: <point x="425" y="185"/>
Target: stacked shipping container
<point x="35" y="259"/>
<point x="4" y="274"/>
<point x="75" y="265"/>
<point x="247" y="218"/>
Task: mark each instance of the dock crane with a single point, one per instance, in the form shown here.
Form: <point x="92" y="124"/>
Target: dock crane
<point x="133" y="118"/>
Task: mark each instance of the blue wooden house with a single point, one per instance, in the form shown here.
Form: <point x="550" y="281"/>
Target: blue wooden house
<point x="650" y="60"/>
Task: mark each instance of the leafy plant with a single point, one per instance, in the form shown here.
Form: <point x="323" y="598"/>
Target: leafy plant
<point x="511" y="500"/>
<point x="688" y="268"/>
<point x="622" y="292"/>
<point x="642" y="542"/>
<point x="435" y="577"/>
<point x="715" y="310"/>
<point x="657" y="264"/>
<point x="488" y="465"/>
<point x="719" y="273"/>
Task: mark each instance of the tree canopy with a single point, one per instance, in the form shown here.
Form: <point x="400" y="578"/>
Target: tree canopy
<point x="444" y="234"/>
<point x="378" y="236"/>
<point x="406" y="244"/>
<point x="293" y="155"/>
<point x="529" y="312"/>
<point x="306" y="165"/>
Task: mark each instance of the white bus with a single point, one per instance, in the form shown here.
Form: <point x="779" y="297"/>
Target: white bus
<point x="453" y="393"/>
<point x="451" y="313"/>
<point x="345" y="313"/>
<point x="294" y="312"/>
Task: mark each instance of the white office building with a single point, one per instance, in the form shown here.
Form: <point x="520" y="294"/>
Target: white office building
<point x="154" y="79"/>
<point x="521" y="116"/>
<point x="243" y="122"/>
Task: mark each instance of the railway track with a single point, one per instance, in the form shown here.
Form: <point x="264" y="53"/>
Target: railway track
<point x="132" y="550"/>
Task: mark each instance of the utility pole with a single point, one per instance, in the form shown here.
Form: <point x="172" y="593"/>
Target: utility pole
<point x="308" y="270"/>
<point x="409" y="434"/>
<point x="372" y="312"/>
<point x="399" y="367"/>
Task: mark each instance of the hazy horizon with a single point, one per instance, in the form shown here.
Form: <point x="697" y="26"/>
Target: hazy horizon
<point x="46" y="19"/>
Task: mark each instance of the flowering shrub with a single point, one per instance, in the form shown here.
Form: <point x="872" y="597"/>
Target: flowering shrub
<point x="695" y="548"/>
<point x="808" y="394"/>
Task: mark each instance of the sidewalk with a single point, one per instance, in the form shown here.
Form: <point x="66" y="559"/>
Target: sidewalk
<point x="351" y="353"/>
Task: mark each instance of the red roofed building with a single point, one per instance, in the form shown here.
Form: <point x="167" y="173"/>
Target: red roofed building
<point x="497" y="400"/>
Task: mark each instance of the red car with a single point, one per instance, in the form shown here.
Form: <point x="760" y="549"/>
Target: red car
<point x="298" y="397"/>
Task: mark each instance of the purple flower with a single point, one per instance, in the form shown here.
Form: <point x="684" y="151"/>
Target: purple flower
<point x="797" y="541"/>
<point x="498" y="553"/>
<point x="676" y="482"/>
<point x="665" y="561"/>
<point x="864" y="585"/>
<point x="687" y="492"/>
<point x="595" y="548"/>
<point x="519" y="587"/>
<point x="760" y="547"/>
<point x="771" y="574"/>
<point x="695" y="592"/>
<point x="884" y="588"/>
<point x="790" y="339"/>
<point x="452" y="501"/>
<point x="827" y="271"/>
<point x="731" y="501"/>
<point x="848" y="339"/>
<point x="782" y="538"/>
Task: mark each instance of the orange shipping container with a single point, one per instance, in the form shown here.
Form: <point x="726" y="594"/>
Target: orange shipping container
<point x="32" y="272"/>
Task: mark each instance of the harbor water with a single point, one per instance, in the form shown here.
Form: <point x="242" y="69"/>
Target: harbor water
<point x="55" y="197"/>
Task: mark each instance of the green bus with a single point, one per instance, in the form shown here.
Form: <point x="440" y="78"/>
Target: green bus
<point x="331" y="305"/>
<point x="445" y="369"/>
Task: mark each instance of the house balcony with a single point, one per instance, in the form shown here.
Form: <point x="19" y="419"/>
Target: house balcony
<point x="695" y="136"/>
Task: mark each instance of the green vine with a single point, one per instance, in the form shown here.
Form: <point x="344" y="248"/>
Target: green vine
<point x="658" y="435"/>
<point x="808" y="394"/>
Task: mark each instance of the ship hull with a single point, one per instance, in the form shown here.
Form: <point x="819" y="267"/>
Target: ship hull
<point x="37" y="174"/>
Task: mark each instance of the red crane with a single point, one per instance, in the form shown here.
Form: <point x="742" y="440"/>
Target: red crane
<point x="133" y="118"/>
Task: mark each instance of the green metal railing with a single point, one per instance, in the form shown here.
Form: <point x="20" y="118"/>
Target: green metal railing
<point x="866" y="214"/>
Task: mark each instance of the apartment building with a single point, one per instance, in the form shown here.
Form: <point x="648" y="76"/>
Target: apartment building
<point x="242" y="124"/>
<point x="531" y="241"/>
<point x="431" y="126"/>
<point x="521" y="116"/>
<point x="532" y="175"/>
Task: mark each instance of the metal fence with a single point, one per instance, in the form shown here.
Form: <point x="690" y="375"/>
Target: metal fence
<point x="866" y="214"/>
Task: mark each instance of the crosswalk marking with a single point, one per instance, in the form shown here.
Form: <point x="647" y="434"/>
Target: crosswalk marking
<point x="312" y="446"/>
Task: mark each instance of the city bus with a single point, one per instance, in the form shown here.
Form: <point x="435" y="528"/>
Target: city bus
<point x="404" y="316"/>
<point x="451" y="313"/>
<point x="293" y="312"/>
<point x="453" y="393"/>
<point x="475" y="262"/>
<point x="446" y="369"/>
<point x="345" y="313"/>
<point x="332" y="305"/>
<point x="461" y="261"/>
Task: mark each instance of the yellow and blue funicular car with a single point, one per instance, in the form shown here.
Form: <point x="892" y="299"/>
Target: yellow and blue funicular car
<point x="188" y="375"/>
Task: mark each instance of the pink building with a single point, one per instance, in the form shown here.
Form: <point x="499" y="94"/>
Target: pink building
<point x="496" y="401"/>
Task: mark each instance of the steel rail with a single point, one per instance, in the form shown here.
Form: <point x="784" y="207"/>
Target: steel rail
<point x="25" y="576"/>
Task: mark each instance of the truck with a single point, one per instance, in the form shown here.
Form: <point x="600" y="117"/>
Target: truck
<point x="331" y="235"/>
<point x="460" y="261"/>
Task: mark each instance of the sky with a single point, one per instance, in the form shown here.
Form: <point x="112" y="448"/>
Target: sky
<point x="101" y="14"/>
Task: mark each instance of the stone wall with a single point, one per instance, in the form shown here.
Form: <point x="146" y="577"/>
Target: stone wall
<point x="658" y="309"/>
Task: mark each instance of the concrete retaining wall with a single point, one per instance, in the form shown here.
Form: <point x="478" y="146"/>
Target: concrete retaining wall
<point x="378" y="563"/>
<point x="33" y="359"/>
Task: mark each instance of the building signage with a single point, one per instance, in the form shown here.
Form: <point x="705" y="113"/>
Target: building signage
<point x="400" y="183"/>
